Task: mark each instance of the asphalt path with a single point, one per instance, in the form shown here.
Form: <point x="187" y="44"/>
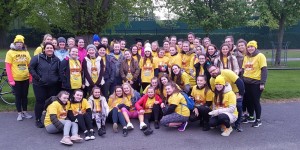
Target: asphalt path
<point x="280" y="130"/>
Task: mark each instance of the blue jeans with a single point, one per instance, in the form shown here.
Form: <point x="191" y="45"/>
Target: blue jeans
<point x="239" y="106"/>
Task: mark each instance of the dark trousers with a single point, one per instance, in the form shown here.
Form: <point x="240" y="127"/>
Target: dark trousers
<point x="239" y="106"/>
<point x="21" y="93"/>
<point x="219" y="120"/>
<point x="84" y="121"/>
<point x="203" y="114"/>
<point x="155" y="115"/>
<point x="107" y="89"/>
<point x="144" y="85"/>
<point x="42" y="93"/>
<point x="116" y="117"/>
<point x="252" y="98"/>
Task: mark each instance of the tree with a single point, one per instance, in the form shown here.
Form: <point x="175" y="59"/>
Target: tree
<point x="277" y="14"/>
<point x="7" y="14"/>
<point x="211" y="14"/>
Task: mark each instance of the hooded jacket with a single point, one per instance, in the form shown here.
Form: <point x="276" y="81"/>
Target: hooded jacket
<point x="86" y="68"/>
<point x="45" y="70"/>
<point x="234" y="66"/>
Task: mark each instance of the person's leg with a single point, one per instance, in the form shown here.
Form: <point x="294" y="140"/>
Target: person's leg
<point x="239" y="106"/>
<point x="121" y="119"/>
<point x="144" y="85"/>
<point x="125" y="113"/>
<point x="257" y="107"/>
<point x="81" y="122"/>
<point x="67" y="127"/>
<point x="114" y="113"/>
<point x="249" y="100"/>
<point x="147" y="117"/>
<point x="18" y="92"/>
<point x="40" y="96"/>
<point x="105" y="89"/>
<point x="203" y="113"/>
<point x="224" y="119"/>
<point x="157" y="114"/>
<point x="193" y="116"/>
<point x="25" y="86"/>
<point x="51" y="129"/>
<point x="88" y="121"/>
<point x="213" y="121"/>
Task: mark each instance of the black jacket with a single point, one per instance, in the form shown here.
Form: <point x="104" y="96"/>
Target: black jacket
<point x="110" y="69"/>
<point x="45" y="70"/>
<point x="64" y="73"/>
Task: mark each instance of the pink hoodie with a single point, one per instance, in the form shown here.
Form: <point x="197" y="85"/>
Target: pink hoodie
<point x="81" y="54"/>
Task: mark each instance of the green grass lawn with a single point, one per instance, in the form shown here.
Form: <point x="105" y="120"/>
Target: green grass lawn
<point x="293" y="53"/>
<point x="281" y="84"/>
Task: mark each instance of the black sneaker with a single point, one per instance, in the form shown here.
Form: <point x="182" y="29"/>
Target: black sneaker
<point x="156" y="125"/>
<point x="103" y="129"/>
<point x="257" y="123"/>
<point x="39" y="124"/>
<point x="100" y="132"/>
<point x="125" y="132"/>
<point x="251" y="119"/>
<point x="148" y="131"/>
<point x="92" y="135"/>
<point x="238" y="128"/>
<point x="87" y="135"/>
<point x="205" y="126"/>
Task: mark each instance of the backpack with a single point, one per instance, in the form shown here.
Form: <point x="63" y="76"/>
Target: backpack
<point x="189" y="102"/>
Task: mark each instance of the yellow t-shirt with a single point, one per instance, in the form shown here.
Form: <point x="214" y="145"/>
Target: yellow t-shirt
<point x="114" y="103"/>
<point x="75" y="74"/>
<point x="94" y="71"/>
<point x="96" y="105"/>
<point x="107" y="51"/>
<point x="79" y="107"/>
<point x="147" y="70"/>
<point x="186" y="79"/>
<point x="201" y="97"/>
<point x="178" y="49"/>
<point x="19" y="61"/>
<point x="167" y="54"/>
<point x="229" y="98"/>
<point x="230" y="77"/>
<point x="154" y="53"/>
<point x="178" y="99"/>
<point x="149" y="105"/>
<point x="192" y="63"/>
<point x="252" y="66"/>
<point x="38" y="50"/>
<point x="55" y="109"/>
<point x="177" y="59"/>
<point x="186" y="60"/>
<point x="135" y="58"/>
<point x="225" y="61"/>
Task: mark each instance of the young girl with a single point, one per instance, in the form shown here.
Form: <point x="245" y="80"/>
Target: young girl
<point x="116" y="102"/>
<point x="47" y="39"/>
<point x="133" y="96"/>
<point x="224" y="107"/>
<point x="81" y="50"/>
<point x="93" y="69"/>
<point x="175" y="58"/>
<point x="147" y="68"/>
<point x="99" y="108"/>
<point x="79" y="110"/>
<point x="203" y="97"/>
<point x="61" y="52"/>
<point x="155" y="48"/>
<point x="166" y="47"/>
<point x="130" y="70"/>
<point x="176" y="113"/>
<point x="16" y="63"/>
<point x="71" y="72"/>
<point x="55" y="122"/>
<point x="154" y="84"/>
<point x="182" y="79"/>
<point x="212" y="53"/>
<point x="187" y="57"/>
<point x="148" y="108"/>
<point x="226" y="60"/>
<point x="201" y="67"/>
<point x="161" y="63"/>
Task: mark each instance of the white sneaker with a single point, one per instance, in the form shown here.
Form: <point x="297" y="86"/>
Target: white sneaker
<point x="26" y="115"/>
<point x="129" y="126"/>
<point x="19" y="118"/>
<point x="143" y="126"/>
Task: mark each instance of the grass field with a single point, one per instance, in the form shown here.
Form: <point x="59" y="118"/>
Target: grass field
<point x="292" y="53"/>
<point x="281" y="84"/>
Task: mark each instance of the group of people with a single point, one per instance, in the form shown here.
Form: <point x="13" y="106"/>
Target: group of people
<point x="77" y="86"/>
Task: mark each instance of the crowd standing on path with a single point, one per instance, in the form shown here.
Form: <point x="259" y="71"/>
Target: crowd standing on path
<point x="78" y="85"/>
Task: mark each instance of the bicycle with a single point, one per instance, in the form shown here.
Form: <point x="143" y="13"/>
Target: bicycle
<point x="6" y="90"/>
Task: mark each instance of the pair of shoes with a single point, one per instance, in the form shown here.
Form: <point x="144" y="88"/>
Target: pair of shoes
<point x="87" y="135"/>
<point x="183" y="126"/>
<point x="148" y="131"/>
<point x="26" y="115"/>
<point x="39" y="124"/>
<point x="156" y="124"/>
<point x="66" y="140"/>
<point x="102" y="131"/>
<point x="19" y="118"/>
<point x="143" y="126"/>
<point x="257" y="123"/>
<point x="129" y="126"/>
<point x="125" y="131"/>
<point x="92" y="134"/>
<point x="238" y="128"/>
<point x="248" y="119"/>
<point x="205" y="126"/>
<point x="76" y="138"/>
<point x="227" y="131"/>
<point x="115" y="127"/>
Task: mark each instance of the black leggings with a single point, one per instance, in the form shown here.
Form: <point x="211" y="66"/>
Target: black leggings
<point x="84" y="121"/>
<point x="116" y="116"/>
<point x="21" y="93"/>
<point x="144" y="85"/>
<point x="203" y="114"/>
<point x="42" y="93"/>
<point x="252" y="99"/>
<point x="219" y="120"/>
<point x="155" y="115"/>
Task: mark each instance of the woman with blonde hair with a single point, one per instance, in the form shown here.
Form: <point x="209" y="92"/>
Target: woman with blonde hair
<point x="47" y="39"/>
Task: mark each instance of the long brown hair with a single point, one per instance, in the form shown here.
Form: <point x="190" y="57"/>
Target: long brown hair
<point x="161" y="86"/>
<point x="114" y="96"/>
<point x="178" y="76"/>
<point x="219" y="95"/>
<point x="228" y="55"/>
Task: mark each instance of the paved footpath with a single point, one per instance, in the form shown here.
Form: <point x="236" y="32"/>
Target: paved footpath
<point x="280" y="130"/>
